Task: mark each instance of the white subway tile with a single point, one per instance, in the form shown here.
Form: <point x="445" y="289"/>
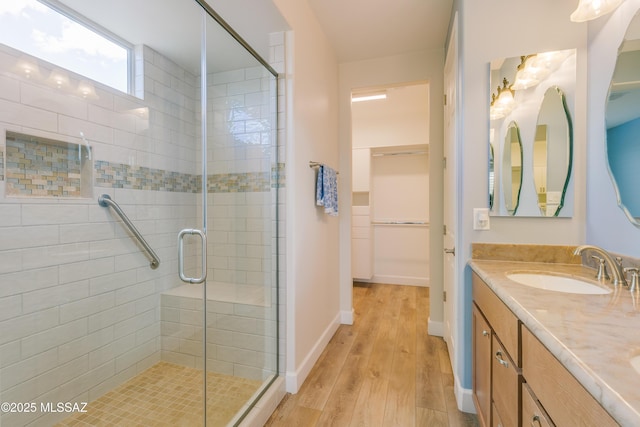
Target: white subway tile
<point x="53" y="101"/>
<point x="28" y="368"/>
<point x="28" y="237"/>
<point x="10" y="307"/>
<point x="53" y="337"/>
<point x="22" y="115"/>
<point x="84" y="345"/>
<point x="10" y="261"/>
<point x="54" y="214"/>
<point x="9" y="353"/>
<point x="111" y="316"/>
<point x="86" y="232"/>
<point x="132" y="357"/>
<point x="10" y="215"/>
<point x="25" y="325"/>
<point x="47" y="256"/>
<point x="9" y="89"/>
<point x="132" y="324"/>
<point x="112" y="350"/>
<point x="85" y="307"/>
<point x="85" y="381"/>
<point x="54" y="296"/>
<point x="86" y="269"/>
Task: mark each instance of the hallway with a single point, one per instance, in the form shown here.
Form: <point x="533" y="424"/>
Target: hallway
<point x="384" y="370"/>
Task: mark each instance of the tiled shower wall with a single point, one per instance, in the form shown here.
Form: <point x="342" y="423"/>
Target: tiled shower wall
<point x="79" y="305"/>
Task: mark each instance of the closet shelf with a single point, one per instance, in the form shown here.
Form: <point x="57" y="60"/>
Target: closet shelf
<point x="401" y="222"/>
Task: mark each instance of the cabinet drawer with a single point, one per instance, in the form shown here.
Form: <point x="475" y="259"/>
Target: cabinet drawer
<point x="566" y="401"/>
<point x="505" y="387"/>
<point x="532" y="413"/>
<point x="503" y="322"/>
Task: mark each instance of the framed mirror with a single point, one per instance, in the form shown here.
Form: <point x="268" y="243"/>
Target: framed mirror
<point x="536" y="91"/>
<point x="623" y="123"/>
<point x="552" y="152"/>
<point x="512" y="169"/>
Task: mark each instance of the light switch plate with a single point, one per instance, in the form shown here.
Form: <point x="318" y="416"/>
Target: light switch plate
<point x="481" y="219"/>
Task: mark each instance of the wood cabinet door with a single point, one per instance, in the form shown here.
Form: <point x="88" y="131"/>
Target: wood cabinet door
<point x="481" y="348"/>
<point x="505" y="385"/>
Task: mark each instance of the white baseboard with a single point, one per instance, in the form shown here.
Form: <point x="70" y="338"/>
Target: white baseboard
<point x="435" y="328"/>
<point x="400" y="280"/>
<point x="294" y="379"/>
<point x="464" y="397"/>
<point x="346" y="317"/>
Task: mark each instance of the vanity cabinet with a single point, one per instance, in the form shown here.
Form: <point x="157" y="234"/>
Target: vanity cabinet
<point x="516" y="380"/>
<point x="496" y="373"/>
<point x="566" y="401"/>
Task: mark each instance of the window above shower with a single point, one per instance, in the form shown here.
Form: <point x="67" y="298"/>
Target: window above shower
<point x="50" y="31"/>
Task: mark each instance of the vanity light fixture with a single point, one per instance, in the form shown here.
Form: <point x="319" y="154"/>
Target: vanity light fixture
<point x="535" y="68"/>
<point x="592" y="9"/>
<point x="528" y="74"/>
<point x="502" y="103"/>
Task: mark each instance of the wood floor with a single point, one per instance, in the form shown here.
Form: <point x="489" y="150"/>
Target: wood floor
<point x="384" y="370"/>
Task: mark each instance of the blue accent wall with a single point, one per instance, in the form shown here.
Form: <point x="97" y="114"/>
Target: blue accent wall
<point x="623" y="150"/>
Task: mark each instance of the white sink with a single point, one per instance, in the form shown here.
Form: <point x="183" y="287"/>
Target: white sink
<point x="557" y="283"/>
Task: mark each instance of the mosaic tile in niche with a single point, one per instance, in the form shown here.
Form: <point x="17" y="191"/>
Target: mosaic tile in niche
<point x="39" y="167"/>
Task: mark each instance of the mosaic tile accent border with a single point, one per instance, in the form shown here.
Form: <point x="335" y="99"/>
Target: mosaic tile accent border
<point x="39" y="167"/>
<point x="1" y="165"/>
<point x="119" y="175"/>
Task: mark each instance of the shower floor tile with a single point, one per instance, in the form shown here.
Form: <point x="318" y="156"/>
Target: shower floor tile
<point x="168" y="395"/>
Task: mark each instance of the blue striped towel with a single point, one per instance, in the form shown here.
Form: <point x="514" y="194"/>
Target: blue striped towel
<point x="327" y="190"/>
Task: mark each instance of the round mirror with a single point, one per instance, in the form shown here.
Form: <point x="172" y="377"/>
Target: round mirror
<point x="512" y="168"/>
<point x="623" y="124"/>
<point x="552" y="152"/>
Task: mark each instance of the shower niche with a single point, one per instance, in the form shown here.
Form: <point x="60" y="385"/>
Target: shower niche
<point x="41" y="167"/>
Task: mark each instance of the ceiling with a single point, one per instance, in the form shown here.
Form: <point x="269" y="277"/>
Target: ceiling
<point x="357" y="29"/>
<point x="365" y="29"/>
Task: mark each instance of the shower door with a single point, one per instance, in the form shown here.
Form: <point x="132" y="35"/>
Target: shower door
<point x="183" y="142"/>
<point x="235" y="265"/>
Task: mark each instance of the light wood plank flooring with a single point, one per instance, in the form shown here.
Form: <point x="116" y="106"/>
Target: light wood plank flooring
<point x="384" y="370"/>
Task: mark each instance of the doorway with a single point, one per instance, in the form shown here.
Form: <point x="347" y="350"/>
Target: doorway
<point x="390" y="184"/>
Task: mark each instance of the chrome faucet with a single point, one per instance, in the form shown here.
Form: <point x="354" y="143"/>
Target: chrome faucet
<point x="617" y="273"/>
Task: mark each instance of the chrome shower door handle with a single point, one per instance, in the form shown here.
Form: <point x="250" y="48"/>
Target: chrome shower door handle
<point x="203" y="239"/>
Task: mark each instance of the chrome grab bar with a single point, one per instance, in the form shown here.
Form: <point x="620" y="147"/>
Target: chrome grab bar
<point x="105" y="201"/>
<point x="203" y="238"/>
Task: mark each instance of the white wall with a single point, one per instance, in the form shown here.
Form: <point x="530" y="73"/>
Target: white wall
<point x="426" y="66"/>
<point x="528" y="27"/>
<point x="607" y="226"/>
<point x="401" y="119"/>
<point x="311" y="236"/>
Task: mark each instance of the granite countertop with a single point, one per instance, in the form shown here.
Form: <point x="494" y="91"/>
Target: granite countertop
<point x="593" y="336"/>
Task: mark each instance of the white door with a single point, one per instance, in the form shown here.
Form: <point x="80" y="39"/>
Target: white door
<point x="450" y="191"/>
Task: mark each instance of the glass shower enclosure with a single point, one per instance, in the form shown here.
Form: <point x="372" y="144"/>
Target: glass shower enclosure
<point x="157" y="306"/>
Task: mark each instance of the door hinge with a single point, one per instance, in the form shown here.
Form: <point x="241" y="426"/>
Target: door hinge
<point x="444" y="162"/>
<point x="445" y="99"/>
<point x="444" y="296"/>
<point x="444" y="229"/>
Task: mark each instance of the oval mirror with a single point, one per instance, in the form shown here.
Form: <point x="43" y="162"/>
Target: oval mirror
<point x="512" y="168"/>
<point x="623" y="123"/>
<point x="552" y="152"/>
